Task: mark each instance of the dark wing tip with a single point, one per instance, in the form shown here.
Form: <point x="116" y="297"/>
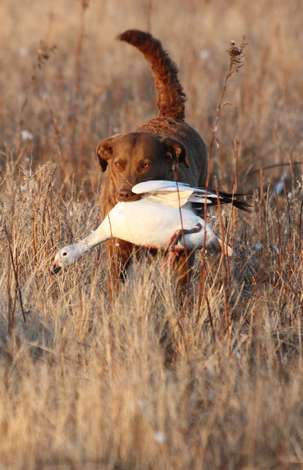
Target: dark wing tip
<point x="236" y="199"/>
<point x="243" y="205"/>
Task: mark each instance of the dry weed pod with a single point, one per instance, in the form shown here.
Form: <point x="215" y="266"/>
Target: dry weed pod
<point x="85" y="4"/>
<point x="236" y="53"/>
<point x="44" y="52"/>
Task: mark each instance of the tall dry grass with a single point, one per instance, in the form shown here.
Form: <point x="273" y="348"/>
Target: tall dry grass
<point x="146" y="381"/>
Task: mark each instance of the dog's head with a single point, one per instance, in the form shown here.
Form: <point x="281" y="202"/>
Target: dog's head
<point x="138" y="156"/>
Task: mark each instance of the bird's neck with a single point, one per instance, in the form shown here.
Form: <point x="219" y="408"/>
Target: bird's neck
<point x="101" y="234"/>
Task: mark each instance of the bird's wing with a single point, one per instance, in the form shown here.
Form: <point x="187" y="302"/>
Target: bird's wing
<point x="177" y="194"/>
<point x="174" y="194"/>
<point x="169" y="193"/>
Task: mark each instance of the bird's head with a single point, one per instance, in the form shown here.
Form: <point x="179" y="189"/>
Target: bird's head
<point x="64" y="257"/>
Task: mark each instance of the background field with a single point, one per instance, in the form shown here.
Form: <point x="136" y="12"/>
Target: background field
<point x="146" y="381"/>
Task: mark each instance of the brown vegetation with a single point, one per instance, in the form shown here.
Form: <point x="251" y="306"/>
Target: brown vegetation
<point x="146" y="382"/>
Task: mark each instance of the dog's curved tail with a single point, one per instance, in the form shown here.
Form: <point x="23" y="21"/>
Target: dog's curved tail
<point x="170" y="95"/>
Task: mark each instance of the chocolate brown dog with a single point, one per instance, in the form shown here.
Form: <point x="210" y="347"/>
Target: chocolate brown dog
<point x="165" y="147"/>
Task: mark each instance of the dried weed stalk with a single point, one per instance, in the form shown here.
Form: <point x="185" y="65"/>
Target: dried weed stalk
<point x="236" y="62"/>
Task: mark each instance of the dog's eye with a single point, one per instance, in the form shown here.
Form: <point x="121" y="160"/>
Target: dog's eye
<point x="119" y="164"/>
<point x="64" y="254"/>
<point x="145" y="165"/>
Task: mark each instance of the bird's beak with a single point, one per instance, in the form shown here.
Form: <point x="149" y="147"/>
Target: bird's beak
<point x="55" y="268"/>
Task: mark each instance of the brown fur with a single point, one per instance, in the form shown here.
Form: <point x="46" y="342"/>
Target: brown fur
<point x="171" y="97"/>
<point x="165" y="147"/>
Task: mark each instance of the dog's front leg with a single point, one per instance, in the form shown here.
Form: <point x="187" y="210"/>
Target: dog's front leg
<point x="118" y="259"/>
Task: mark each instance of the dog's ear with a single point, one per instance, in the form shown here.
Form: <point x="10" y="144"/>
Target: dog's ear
<point x="175" y="151"/>
<point x="104" y="150"/>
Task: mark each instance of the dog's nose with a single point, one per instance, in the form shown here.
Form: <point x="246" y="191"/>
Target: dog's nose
<point x="127" y="195"/>
<point x="124" y="194"/>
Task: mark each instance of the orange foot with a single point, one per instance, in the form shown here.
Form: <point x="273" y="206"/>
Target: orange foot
<point x="172" y="246"/>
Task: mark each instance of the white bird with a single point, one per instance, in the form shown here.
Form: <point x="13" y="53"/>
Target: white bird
<point x="167" y="216"/>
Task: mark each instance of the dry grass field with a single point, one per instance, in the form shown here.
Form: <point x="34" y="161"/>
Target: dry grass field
<point x="148" y="381"/>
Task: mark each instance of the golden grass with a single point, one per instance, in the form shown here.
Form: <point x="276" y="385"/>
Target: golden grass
<point x="147" y="382"/>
